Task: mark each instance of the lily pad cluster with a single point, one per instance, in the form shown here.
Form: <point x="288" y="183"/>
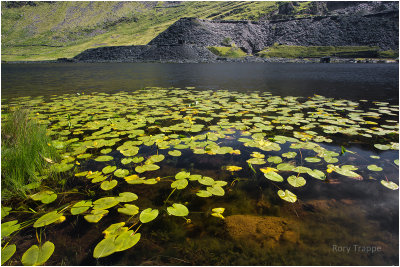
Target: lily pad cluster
<point x="110" y="142"/>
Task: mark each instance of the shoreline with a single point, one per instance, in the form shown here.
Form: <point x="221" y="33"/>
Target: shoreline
<point x="332" y="60"/>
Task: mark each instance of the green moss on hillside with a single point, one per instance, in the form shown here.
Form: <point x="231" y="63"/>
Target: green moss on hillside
<point x="229" y="52"/>
<point x="291" y="51"/>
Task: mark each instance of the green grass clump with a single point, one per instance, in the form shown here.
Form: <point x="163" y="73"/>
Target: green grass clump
<point x="389" y="54"/>
<point x="24" y="150"/>
<point x="292" y="51"/>
<point x="229" y="52"/>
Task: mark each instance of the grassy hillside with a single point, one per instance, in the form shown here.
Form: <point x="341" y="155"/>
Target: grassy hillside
<point x="50" y="30"/>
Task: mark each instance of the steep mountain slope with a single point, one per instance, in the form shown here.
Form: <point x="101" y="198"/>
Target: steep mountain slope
<point x="49" y="30"/>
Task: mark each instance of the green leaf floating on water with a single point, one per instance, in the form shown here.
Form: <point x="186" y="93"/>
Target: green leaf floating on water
<point x="109" y="169"/>
<point x="216" y="190"/>
<point x="206" y="180"/>
<point x="175" y="153"/>
<point x="155" y="158"/>
<point x="105" y="247"/>
<point x="126" y="197"/>
<point x="126" y="240"/>
<point x="296" y="181"/>
<point x="312" y="159"/>
<point x="287" y="196"/>
<point x="273" y="176"/>
<point x="285" y="167"/>
<point x="7" y="252"/>
<point x="47" y="219"/>
<point x="375" y="168"/>
<point x="382" y="147"/>
<point x="5" y="211"/>
<point x="10" y="227"/>
<point x="148" y="215"/>
<point x="62" y="167"/>
<point x="108" y="185"/>
<point x="275" y="159"/>
<point x="317" y="174"/>
<point x="396" y="161"/>
<point x="81" y="207"/>
<point x="45" y="197"/>
<point x="179" y="184"/>
<point x="178" y="210"/>
<point x="256" y="161"/>
<point x="105" y="203"/>
<point x="121" y="173"/>
<point x="182" y="175"/>
<point x="390" y="184"/>
<point x="289" y="155"/>
<point x="146" y="167"/>
<point x="129" y="209"/>
<point x="38" y="255"/>
<point x="203" y="193"/>
<point x="104" y="158"/>
<point x="95" y="215"/>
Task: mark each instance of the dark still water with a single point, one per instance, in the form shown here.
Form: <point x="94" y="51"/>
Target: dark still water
<point x="351" y="81"/>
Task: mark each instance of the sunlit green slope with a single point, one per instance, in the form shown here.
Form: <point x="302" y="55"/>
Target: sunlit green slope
<point x="48" y="31"/>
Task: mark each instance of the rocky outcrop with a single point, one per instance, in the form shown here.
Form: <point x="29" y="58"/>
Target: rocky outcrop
<point x="379" y="29"/>
<point x="370" y="24"/>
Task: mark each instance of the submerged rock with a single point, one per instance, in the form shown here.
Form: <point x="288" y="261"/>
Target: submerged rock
<point x="265" y="232"/>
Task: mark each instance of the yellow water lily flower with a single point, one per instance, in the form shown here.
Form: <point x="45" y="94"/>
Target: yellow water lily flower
<point x="257" y="155"/>
<point x="233" y="168"/>
<point x="268" y="169"/>
<point x="329" y="170"/>
<point x="132" y="177"/>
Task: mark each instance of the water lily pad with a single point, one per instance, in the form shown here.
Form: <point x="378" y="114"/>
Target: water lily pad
<point x="182" y="175"/>
<point x="137" y="159"/>
<point x="108" y="185"/>
<point x="84" y="156"/>
<point x="256" y="161"/>
<point x="396" y="161"/>
<point x="5" y="211"/>
<point x="203" y="193"/>
<point x="179" y="184"/>
<point x="62" y="167"/>
<point x="287" y="196"/>
<point x="178" y="210"/>
<point x="316" y="174"/>
<point x="206" y="180"/>
<point x="45" y="197"/>
<point x="296" y="181"/>
<point x="126" y="161"/>
<point x="7" y="252"/>
<point x="285" y="167"/>
<point x="105" y="248"/>
<point x="233" y="168"/>
<point x="129" y="209"/>
<point x="273" y="176"/>
<point x="390" y="184"/>
<point x="375" y="168"/>
<point x="96" y="215"/>
<point x="109" y="169"/>
<point x="155" y="158"/>
<point x="126" y="240"/>
<point x="10" y="227"/>
<point x="81" y="207"/>
<point x="121" y="173"/>
<point x="275" y="159"/>
<point x="147" y="167"/>
<point x="148" y="215"/>
<point x="104" y="158"/>
<point x="175" y="153"/>
<point x="289" y="155"/>
<point x="38" y="255"/>
<point x="216" y="190"/>
<point x="301" y="169"/>
<point x="47" y="219"/>
<point x="105" y="203"/>
<point x="105" y="151"/>
<point x="382" y="147"/>
<point x="312" y="159"/>
<point x="127" y="197"/>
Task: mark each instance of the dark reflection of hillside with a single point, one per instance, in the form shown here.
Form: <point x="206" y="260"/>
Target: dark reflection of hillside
<point x="350" y="81"/>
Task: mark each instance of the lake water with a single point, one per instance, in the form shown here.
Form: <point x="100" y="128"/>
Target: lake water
<point x="344" y="118"/>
